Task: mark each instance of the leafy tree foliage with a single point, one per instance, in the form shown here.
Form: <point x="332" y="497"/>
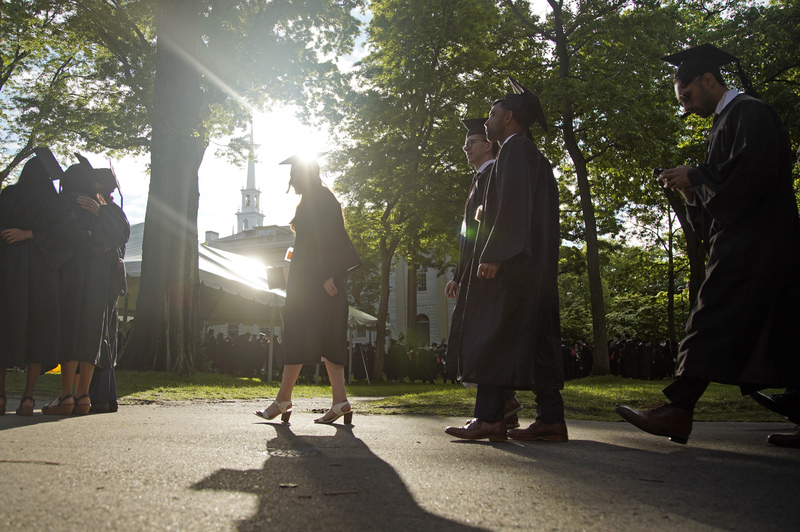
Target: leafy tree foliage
<point x="75" y="76"/>
<point x="402" y="168"/>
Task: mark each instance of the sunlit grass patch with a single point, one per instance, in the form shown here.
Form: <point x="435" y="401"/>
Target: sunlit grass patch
<point x="591" y="398"/>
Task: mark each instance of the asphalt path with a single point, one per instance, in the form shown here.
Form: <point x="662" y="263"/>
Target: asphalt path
<point x="215" y="466"/>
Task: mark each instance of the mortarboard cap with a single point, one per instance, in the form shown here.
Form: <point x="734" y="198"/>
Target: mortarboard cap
<point x="525" y="105"/>
<point x="303" y="158"/>
<point x="82" y="160"/>
<point x="699" y="60"/>
<point x="51" y="166"/>
<point x="475" y="126"/>
<point x="307" y="161"/>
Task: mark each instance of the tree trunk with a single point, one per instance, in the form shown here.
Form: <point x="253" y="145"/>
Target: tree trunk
<point x="387" y="252"/>
<point x="599" y="334"/>
<point x="412" y="337"/>
<point x="165" y="335"/>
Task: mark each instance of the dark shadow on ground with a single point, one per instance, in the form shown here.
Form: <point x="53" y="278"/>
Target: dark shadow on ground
<point x="723" y="489"/>
<point x="326" y="483"/>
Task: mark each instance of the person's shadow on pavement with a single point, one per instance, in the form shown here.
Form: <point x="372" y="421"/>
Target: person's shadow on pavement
<point x="327" y="483"/>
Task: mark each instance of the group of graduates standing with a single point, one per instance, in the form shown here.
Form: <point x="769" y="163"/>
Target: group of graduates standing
<point x="641" y="359"/>
<point x="423" y="363"/>
<point x="245" y="354"/>
<point x="61" y="273"/>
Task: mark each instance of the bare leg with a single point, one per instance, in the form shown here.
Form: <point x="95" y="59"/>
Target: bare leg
<point x="82" y="387"/>
<point x="68" y="370"/>
<point x="32" y="372"/>
<point x="288" y="380"/>
<point x="83" y="402"/>
<point x="336" y="376"/>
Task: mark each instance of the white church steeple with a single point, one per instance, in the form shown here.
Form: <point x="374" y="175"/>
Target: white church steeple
<point x="249" y="215"/>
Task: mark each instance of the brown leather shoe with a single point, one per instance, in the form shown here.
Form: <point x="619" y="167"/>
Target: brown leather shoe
<point x="477" y="429"/>
<point x="541" y="431"/>
<point x="512" y="407"/>
<point x="785" y="440"/>
<point x="512" y="421"/>
<point x="668" y="420"/>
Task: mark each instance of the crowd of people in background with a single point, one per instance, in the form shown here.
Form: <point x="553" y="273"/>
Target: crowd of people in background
<point x="248" y="355"/>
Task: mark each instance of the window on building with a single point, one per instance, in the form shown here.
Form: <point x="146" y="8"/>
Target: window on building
<point x="247" y="200"/>
<point x="422" y="280"/>
<point x="244" y="224"/>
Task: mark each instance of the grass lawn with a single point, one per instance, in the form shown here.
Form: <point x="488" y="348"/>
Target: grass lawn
<point x="591" y="398"/>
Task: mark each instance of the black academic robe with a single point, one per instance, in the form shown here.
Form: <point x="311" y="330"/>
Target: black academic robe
<point x="29" y="271"/>
<point x="85" y="280"/>
<point x="510" y="332"/>
<point x="315" y="324"/>
<point x="746" y="215"/>
<point x="465" y="266"/>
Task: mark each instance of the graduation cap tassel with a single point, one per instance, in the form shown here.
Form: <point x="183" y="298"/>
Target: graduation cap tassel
<point x="746" y="85"/>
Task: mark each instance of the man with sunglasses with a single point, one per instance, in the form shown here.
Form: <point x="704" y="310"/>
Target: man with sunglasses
<point x="741" y="203"/>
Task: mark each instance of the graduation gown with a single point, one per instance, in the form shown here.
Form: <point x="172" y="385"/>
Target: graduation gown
<point x="510" y="330"/>
<point x="746" y="214"/>
<point x="315" y="324"/>
<point x="85" y="284"/>
<point x="464" y="266"/>
<point x="29" y="270"/>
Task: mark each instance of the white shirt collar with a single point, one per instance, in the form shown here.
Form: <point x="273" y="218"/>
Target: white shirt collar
<point x="484" y="165"/>
<point x="729" y="95"/>
<point x="508" y="138"/>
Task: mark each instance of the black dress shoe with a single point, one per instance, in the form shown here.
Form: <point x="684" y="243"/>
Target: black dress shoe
<point x="785" y="404"/>
<point x="668" y="420"/>
<point x="477" y="429"/>
<point x="785" y="440"/>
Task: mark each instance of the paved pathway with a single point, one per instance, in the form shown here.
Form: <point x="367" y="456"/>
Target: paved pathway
<point x="215" y="466"/>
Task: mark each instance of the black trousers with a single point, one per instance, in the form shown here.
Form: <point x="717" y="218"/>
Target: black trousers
<point x="491" y="398"/>
<point x="684" y="392"/>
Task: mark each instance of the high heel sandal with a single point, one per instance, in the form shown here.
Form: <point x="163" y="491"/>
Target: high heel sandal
<point x="284" y="408"/>
<point x="59" y="409"/>
<point x="337" y="410"/>
<point x="82" y="409"/>
<point x="26" y="410"/>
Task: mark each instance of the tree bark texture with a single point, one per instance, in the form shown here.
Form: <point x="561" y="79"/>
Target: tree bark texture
<point x="600" y="364"/>
<point x="387" y="252"/>
<point x="412" y="336"/>
<point x="165" y="333"/>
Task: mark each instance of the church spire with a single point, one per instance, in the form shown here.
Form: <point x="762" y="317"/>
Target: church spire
<point x="251" y="165"/>
<point x="249" y="216"/>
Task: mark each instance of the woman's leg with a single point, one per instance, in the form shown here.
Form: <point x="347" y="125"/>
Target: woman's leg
<point x="336" y="376"/>
<point x="85" y="380"/>
<point x="288" y="380"/>
<point x="68" y="370"/>
<point x="32" y="372"/>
